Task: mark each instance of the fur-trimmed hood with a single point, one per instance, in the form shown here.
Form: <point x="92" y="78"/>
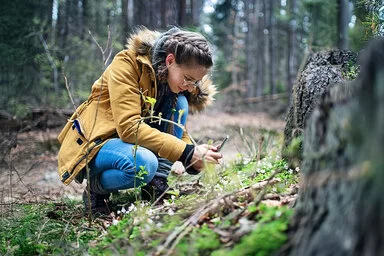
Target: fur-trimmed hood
<point x="142" y="42"/>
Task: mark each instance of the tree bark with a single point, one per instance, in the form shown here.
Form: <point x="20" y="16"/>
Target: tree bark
<point x="340" y="206"/>
<point x="322" y="70"/>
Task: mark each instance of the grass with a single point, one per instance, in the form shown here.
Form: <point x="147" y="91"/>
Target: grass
<point x="239" y="224"/>
<point x="46" y="229"/>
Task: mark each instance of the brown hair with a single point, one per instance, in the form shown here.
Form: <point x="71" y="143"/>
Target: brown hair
<point x="189" y="48"/>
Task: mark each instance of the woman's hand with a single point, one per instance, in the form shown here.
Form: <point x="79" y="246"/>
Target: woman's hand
<point x="204" y="154"/>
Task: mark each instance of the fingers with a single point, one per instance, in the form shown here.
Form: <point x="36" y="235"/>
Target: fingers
<point x="204" y="148"/>
<point x="210" y="156"/>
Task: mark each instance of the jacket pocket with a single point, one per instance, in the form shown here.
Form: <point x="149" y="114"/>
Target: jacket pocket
<point x="70" y="121"/>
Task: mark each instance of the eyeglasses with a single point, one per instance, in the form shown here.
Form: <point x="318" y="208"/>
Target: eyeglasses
<point x="187" y="82"/>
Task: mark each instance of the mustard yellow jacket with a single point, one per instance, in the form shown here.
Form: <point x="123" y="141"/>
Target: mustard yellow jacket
<point x="116" y="107"/>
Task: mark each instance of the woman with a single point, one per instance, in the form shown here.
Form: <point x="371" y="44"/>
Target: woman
<point x="112" y="132"/>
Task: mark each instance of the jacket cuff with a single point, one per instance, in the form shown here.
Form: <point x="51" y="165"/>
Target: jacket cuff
<point x="186" y="158"/>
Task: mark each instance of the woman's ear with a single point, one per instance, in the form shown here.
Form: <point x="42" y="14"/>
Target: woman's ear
<point x="169" y="59"/>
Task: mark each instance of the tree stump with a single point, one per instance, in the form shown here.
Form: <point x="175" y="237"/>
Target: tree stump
<point x="340" y="208"/>
<point x="322" y="70"/>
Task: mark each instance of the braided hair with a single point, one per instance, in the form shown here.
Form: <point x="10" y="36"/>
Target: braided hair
<point x="189" y="48"/>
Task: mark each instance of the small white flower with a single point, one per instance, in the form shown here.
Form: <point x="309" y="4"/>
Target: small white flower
<point x="115" y="222"/>
<point x="297" y="169"/>
<point x="171" y="212"/>
<point x="131" y="208"/>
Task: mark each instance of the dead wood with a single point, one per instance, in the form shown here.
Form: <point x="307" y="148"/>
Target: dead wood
<point x="339" y="210"/>
<point x="322" y="71"/>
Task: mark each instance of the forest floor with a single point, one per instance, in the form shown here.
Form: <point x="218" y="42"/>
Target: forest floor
<point x="214" y="213"/>
<point x="33" y="174"/>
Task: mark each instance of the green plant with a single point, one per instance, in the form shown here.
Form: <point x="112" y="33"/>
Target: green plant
<point x="268" y="235"/>
<point x="46" y="229"/>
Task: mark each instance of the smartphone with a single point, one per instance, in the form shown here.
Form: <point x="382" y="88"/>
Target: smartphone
<point x="222" y="143"/>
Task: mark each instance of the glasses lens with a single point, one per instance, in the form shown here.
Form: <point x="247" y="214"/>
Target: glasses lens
<point x="189" y="83"/>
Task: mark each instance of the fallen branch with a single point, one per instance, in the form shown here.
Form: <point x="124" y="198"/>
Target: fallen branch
<point x="212" y="207"/>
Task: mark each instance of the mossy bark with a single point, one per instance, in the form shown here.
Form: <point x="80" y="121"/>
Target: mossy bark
<point x="340" y="208"/>
<point x="322" y="71"/>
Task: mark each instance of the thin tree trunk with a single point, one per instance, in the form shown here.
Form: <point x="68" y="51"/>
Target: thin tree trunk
<point x="250" y="49"/>
<point x="292" y="56"/>
<point x="163" y="12"/>
<point x="342" y="22"/>
<point x="272" y="47"/>
<point x="260" y="80"/>
<point x="55" y="10"/>
<point x="182" y="13"/>
<point x="125" y="18"/>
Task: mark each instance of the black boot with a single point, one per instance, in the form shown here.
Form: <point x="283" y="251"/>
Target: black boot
<point x="155" y="189"/>
<point x="99" y="197"/>
<point x="99" y="203"/>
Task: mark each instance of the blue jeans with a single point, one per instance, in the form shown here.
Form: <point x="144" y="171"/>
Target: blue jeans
<point x="117" y="166"/>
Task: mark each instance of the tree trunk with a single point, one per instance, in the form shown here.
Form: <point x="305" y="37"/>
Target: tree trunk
<point x="196" y="10"/>
<point x="343" y="20"/>
<point x="322" y="70"/>
<point x="292" y="56"/>
<point x="340" y="206"/>
<point x="125" y="19"/>
<point x="251" y="46"/>
<point x="182" y="13"/>
<point x="272" y="48"/>
<point x="163" y="13"/>
<point x="260" y="79"/>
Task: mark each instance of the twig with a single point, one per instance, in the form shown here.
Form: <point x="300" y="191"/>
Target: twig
<point x="178" y="238"/>
<point x="271" y="97"/>
<point x="1" y="203"/>
<point x="107" y="47"/>
<point x="51" y="62"/>
<point x="41" y="230"/>
<point x="259" y="148"/>
<point x="211" y="207"/>
<point x="10" y="181"/>
<point x="22" y="182"/>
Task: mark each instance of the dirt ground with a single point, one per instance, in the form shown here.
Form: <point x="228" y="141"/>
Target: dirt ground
<point x="32" y="172"/>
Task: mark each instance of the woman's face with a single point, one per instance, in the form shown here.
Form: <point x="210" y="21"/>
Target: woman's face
<point x="181" y="77"/>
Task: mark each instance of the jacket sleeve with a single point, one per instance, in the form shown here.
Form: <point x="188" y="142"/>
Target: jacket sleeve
<point x="124" y="79"/>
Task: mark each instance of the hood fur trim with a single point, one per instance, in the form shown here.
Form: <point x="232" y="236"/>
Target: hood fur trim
<point x="200" y="97"/>
<point x="142" y="41"/>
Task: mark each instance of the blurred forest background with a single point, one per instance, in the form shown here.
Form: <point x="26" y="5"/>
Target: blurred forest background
<point x="259" y="44"/>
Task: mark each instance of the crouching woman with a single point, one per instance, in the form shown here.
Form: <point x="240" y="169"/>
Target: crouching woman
<point x="112" y="132"/>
